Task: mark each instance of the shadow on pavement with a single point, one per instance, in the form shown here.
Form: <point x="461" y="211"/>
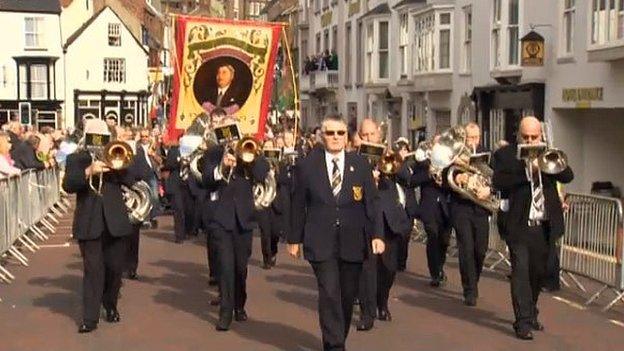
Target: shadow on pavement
<point x="299" y="298"/>
<point x="297" y="280"/>
<point x="67" y="303"/>
<point x="181" y="291"/>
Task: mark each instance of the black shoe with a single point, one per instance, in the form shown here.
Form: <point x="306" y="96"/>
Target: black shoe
<point x="384" y="315"/>
<point x="365" y="324"/>
<point x="470" y="301"/>
<point x="266" y="265"/>
<point x="537" y="326"/>
<point x="179" y="240"/>
<point x="112" y="316"/>
<point x="401" y="268"/>
<point x="133" y="275"/>
<point x="213" y="281"/>
<point x="240" y="315"/>
<point x="225" y="319"/>
<point x="435" y="282"/>
<point x="524" y="334"/>
<point x="86" y="328"/>
<point x="154" y="224"/>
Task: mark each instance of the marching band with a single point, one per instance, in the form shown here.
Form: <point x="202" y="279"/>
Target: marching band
<point x="346" y="203"/>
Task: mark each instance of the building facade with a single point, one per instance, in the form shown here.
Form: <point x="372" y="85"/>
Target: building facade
<point x="424" y="65"/>
<point x="107" y="72"/>
<point x="31" y="62"/>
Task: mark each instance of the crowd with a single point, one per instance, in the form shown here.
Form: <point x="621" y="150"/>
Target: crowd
<point x="321" y="62"/>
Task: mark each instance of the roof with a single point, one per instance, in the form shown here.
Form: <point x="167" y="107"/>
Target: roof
<point x="409" y="2"/>
<point x="72" y="38"/>
<point x="381" y="9"/>
<point x="33" y="6"/>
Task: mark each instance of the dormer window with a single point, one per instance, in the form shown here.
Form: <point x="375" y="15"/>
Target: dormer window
<point x="114" y="34"/>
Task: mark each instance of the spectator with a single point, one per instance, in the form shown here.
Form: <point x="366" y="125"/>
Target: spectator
<point x="6" y="162"/>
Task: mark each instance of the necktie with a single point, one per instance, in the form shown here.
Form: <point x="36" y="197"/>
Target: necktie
<point x="537" y="200"/>
<point x="219" y="98"/>
<point x="336" y="181"/>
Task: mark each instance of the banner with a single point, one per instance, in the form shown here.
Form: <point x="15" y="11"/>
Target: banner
<point x="223" y="67"/>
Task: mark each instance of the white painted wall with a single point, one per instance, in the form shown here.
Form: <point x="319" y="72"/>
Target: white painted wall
<point x="13" y="44"/>
<point x="85" y="61"/>
<point x="74" y="15"/>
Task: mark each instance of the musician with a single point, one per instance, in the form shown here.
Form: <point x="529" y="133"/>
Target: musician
<point x="403" y="148"/>
<point x="471" y="223"/>
<point x="149" y="161"/>
<point x="179" y="195"/>
<point x="268" y="223"/>
<point x="334" y="215"/>
<point x="231" y="225"/>
<point x="434" y="213"/>
<point x="100" y="225"/>
<point x="533" y="217"/>
<point x="368" y="294"/>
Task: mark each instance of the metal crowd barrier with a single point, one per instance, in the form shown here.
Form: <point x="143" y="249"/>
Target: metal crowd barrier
<point x="29" y="204"/>
<point x="592" y="246"/>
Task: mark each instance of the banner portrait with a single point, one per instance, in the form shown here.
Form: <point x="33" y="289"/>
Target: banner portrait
<point x="223" y="67"/>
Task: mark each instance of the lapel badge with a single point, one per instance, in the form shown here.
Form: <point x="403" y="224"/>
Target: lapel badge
<point x="357" y="193"/>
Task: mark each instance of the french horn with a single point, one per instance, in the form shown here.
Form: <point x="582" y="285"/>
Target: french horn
<point x="138" y="201"/>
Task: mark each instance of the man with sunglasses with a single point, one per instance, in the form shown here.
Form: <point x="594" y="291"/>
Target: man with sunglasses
<point x="533" y="217"/>
<point x="334" y="214"/>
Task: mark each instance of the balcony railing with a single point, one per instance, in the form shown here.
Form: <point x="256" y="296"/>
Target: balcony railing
<point x="325" y="80"/>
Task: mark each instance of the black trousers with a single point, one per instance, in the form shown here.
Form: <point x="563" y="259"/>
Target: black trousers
<point x="212" y="254"/>
<point x="528" y="266"/>
<point x="551" y="278"/>
<point x="472" y="232"/>
<point x="438" y="236"/>
<point x="378" y="274"/>
<point x="132" y="250"/>
<point x="103" y="260"/>
<point x="269" y="234"/>
<point x="337" y="285"/>
<point x="184" y="215"/>
<point x="403" y="252"/>
<point x="233" y="252"/>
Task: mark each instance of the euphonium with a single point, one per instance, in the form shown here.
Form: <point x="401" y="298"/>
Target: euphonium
<point x="117" y="155"/>
<point x="264" y="193"/>
<point x="138" y="200"/>
<point x="450" y="152"/>
<point x="389" y="163"/>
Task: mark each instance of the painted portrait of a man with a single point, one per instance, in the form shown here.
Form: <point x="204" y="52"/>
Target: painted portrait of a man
<point x="224" y="91"/>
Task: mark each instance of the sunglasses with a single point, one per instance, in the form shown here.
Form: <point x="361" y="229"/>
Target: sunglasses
<point x="334" y="132"/>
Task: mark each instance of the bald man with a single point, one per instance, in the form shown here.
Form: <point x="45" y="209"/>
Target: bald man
<point x="533" y="217"/>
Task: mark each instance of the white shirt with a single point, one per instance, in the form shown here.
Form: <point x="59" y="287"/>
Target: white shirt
<point x="147" y="158"/>
<point x="329" y="160"/>
<point x="221" y="91"/>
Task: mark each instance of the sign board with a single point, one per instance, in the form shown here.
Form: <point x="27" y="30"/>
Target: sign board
<point x="532" y="50"/>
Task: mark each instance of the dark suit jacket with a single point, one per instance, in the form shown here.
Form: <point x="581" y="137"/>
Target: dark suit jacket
<point x="433" y="206"/>
<point x="25" y="156"/>
<point x="235" y="204"/>
<point x="231" y="97"/>
<point x="94" y="212"/>
<point x="510" y="177"/>
<point x="145" y="172"/>
<point x="281" y="204"/>
<point x="330" y="227"/>
<point x="394" y="215"/>
<point x="172" y="164"/>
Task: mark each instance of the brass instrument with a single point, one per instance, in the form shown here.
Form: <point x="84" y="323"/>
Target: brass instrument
<point x="450" y="151"/>
<point x="390" y="163"/>
<point x="138" y="201"/>
<point x="117" y="155"/>
<point x="264" y="193"/>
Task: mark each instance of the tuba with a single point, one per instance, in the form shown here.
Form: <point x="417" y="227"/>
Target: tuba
<point x="138" y="200"/>
<point x="451" y="152"/>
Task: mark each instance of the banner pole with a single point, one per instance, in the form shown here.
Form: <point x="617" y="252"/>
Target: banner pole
<point x="294" y="82"/>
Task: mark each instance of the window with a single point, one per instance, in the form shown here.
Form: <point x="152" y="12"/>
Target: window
<point x="369" y="52"/>
<point x="445" y="41"/>
<point x="318" y="43"/>
<point x="33" y="30"/>
<point x="358" y="62"/>
<point x="403" y="40"/>
<point x="304" y="53"/>
<point x="114" y="34"/>
<point x="383" y="50"/>
<point x="432" y="42"/>
<point x="513" y="32"/>
<point x="144" y="36"/>
<point x="467" y="37"/>
<point x="317" y="5"/>
<point x="496" y="28"/>
<point x="567" y="26"/>
<point x="334" y="45"/>
<point x="325" y="40"/>
<point x="38" y="82"/>
<point x="607" y="21"/>
<point x="347" y="56"/>
<point x="114" y="70"/>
